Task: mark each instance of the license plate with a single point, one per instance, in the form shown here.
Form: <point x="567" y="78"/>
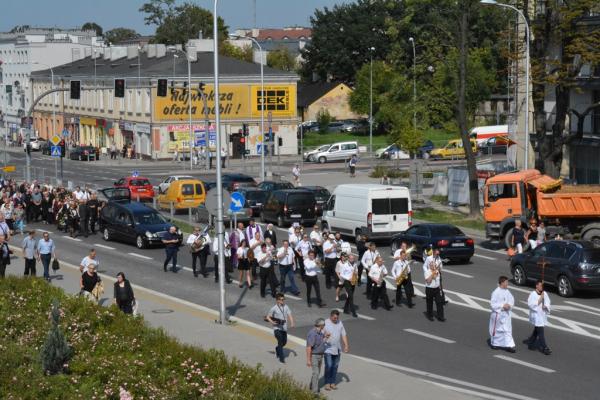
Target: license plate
<point x="458" y="245"/>
<point x="141" y="190"/>
<point x="296" y="216"/>
<point x="189" y="200"/>
<point x="258" y="204"/>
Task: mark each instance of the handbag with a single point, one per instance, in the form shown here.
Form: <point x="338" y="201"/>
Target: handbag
<point x="135" y="307"/>
<point x="55" y="265"/>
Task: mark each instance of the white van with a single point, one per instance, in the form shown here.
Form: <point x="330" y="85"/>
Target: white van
<point x="340" y="151"/>
<point x="377" y="211"/>
<point x="482" y="133"/>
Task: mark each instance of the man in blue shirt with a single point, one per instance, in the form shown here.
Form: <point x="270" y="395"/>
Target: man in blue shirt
<point x="46" y="251"/>
<point x="171" y="242"/>
<point x="30" y="252"/>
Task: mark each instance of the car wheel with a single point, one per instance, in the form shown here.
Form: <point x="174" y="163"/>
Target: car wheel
<point x="322" y="160"/>
<point x="565" y="289"/>
<point x="519" y="275"/>
<point x="106" y="235"/>
<point x="311" y="158"/>
<point x="593" y="235"/>
<point x="139" y="242"/>
<point x="280" y="222"/>
<point x="508" y="238"/>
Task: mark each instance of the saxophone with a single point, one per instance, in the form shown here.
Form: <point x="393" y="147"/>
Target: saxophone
<point x="402" y="277"/>
<point x="354" y="279"/>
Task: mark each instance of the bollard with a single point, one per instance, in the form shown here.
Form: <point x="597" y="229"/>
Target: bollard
<point x="190" y="215"/>
<point x="154" y="202"/>
<point x="171" y="209"/>
<point x="138" y="197"/>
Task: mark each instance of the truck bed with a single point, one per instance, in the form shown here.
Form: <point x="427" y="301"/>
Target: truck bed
<point x="568" y="202"/>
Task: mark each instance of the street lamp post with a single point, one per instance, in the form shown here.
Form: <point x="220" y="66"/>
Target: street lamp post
<point x="262" y="104"/>
<point x="527" y="39"/>
<point x="53" y="117"/>
<point x="371" y="104"/>
<point x="189" y="99"/>
<point x="412" y="40"/>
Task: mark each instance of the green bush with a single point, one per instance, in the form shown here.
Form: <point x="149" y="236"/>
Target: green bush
<point x="381" y="170"/>
<point x="114" y="352"/>
<point x="323" y="119"/>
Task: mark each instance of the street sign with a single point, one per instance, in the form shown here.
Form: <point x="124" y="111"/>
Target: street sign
<point x="211" y="203"/>
<point x="55" y="151"/>
<point x="65" y="132"/>
<point x="9" y="168"/>
<point x="135" y="174"/>
<point x="55" y="140"/>
<point x="237" y="201"/>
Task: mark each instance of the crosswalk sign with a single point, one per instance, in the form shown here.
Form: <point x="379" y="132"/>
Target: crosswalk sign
<point x="55" y="151"/>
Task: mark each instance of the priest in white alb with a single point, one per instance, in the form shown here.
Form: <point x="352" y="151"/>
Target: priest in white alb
<point x="502" y="303"/>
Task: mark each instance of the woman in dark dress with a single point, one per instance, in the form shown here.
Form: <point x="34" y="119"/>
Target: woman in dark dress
<point x="124" y="294"/>
<point x="89" y="280"/>
<point x="243" y="257"/>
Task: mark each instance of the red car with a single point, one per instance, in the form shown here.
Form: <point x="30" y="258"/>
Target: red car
<point x="140" y="187"/>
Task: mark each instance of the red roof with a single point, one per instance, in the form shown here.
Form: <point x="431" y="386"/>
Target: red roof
<point x="282" y="34"/>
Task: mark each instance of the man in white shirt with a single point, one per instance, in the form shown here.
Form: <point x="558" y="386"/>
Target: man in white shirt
<point x="200" y="249"/>
<point x="330" y="259"/>
<point x="88" y="260"/>
<point x="500" y="326"/>
<point x="311" y="269"/>
<point x="285" y="257"/>
<point x="254" y="245"/>
<point x="401" y="267"/>
<point x="302" y="248"/>
<point x="227" y="255"/>
<point x="433" y="289"/>
<point x="316" y="237"/>
<point x="367" y="260"/>
<point x="539" y="308"/>
<point x="346" y="269"/>
<point x="377" y="273"/>
<point x="264" y="259"/>
<point x="296" y="175"/>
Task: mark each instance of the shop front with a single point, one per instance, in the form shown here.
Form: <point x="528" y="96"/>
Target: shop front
<point x="143" y="140"/>
<point x="93" y="132"/>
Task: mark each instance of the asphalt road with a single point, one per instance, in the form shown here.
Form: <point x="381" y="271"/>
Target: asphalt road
<point x="403" y="338"/>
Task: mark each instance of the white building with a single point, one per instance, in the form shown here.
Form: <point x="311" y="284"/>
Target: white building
<point x="26" y="51"/>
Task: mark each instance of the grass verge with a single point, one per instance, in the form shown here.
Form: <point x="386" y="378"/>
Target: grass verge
<point x="114" y="351"/>
<point x="315" y="139"/>
<point x="448" y="217"/>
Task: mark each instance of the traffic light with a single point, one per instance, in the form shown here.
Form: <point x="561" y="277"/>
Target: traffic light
<point x="280" y="141"/>
<point x="245" y="129"/>
<point x="120" y="88"/>
<point x="75" y="90"/>
<point x="162" y="86"/>
<point x="63" y="149"/>
<point x="243" y="140"/>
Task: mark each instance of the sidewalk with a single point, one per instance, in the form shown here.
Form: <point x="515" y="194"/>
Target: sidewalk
<point x="254" y="344"/>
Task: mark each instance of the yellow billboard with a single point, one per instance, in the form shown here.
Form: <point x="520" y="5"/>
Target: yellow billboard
<point x="237" y="102"/>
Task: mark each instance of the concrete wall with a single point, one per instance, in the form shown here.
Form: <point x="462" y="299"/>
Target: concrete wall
<point x="336" y="102"/>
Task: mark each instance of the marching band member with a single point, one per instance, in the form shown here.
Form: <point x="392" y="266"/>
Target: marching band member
<point x="285" y="256"/>
<point x="311" y="269"/>
<point x="377" y="273"/>
<point x="199" y="243"/>
<point x="330" y="254"/>
<point x="254" y="245"/>
<point x="401" y="274"/>
<point x="361" y="247"/>
<point x="264" y="257"/>
<point x="432" y="268"/>
<point x="367" y="260"/>
<point x="316" y="238"/>
<point x="539" y="308"/>
<point x="348" y="275"/>
<point x="302" y="249"/>
<point x="227" y="255"/>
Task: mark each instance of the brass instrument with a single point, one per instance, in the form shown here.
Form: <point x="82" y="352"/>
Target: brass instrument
<point x="403" y="276"/>
<point x="410" y="250"/>
<point x="354" y="279"/>
<point x="199" y="243"/>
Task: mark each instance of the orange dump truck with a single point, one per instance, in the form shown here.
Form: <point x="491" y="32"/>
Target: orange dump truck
<point x="565" y="209"/>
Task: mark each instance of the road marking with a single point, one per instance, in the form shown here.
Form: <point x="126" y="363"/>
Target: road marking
<point x="525" y="364"/>
<point x="359" y="315"/>
<point x="448" y="271"/>
<point x="466" y="391"/>
<point x="582" y="305"/>
<point x="494" y="251"/>
<point x="430" y="336"/>
<point x="72" y="238"/>
<point x="103" y="246"/>
<point x="518" y="289"/>
<point x="140" y="256"/>
<point x="484" y="257"/>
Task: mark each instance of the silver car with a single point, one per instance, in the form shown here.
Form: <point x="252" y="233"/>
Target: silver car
<point x="310" y="155"/>
<point x="338" y="152"/>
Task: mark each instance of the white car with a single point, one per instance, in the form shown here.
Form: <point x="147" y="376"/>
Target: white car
<point x="392" y="152"/>
<point x="164" y="185"/>
<point x="35" y="142"/>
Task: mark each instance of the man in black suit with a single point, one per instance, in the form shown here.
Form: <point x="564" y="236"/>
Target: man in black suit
<point x="270" y="233"/>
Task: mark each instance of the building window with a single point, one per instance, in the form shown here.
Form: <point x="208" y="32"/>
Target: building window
<point x="138" y="102"/>
<point x="111" y="100"/>
<point x="101" y="100"/>
<point x="147" y="102"/>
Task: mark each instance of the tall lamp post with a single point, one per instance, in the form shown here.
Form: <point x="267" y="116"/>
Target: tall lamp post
<point x="527" y="39"/>
<point x="371" y="50"/>
<point x="262" y="104"/>
<point x="412" y="40"/>
<point x="189" y="99"/>
<point x="53" y="113"/>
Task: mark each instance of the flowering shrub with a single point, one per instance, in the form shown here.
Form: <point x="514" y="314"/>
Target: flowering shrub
<point x="115" y="356"/>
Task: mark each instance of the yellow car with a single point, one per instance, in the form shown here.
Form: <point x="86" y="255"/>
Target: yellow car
<point x="454" y="149"/>
<point x="183" y="193"/>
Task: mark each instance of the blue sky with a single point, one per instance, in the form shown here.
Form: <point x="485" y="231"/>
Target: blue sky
<point x="116" y="13"/>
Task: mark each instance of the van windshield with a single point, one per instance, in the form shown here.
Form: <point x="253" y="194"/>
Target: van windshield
<point x="149" y="218"/>
<point x="300" y="199"/>
<point x="389" y="206"/>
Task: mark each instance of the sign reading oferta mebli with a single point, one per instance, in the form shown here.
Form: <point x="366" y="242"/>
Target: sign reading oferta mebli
<point x="237" y="102"/>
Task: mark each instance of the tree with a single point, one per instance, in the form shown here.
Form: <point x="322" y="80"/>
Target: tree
<point x="178" y="24"/>
<point x="55" y="352"/>
<point x="343" y="36"/>
<point x="117" y="35"/>
<point x="92" y="26"/>
<point x="563" y="44"/>
<point x="244" y="53"/>
<point x="323" y="119"/>
<point x="281" y="58"/>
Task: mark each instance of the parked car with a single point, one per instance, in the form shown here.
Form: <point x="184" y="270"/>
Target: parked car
<point x="275" y="185"/>
<point x="392" y="152"/>
<point x="45" y="148"/>
<point x="164" y="185"/>
<point x="255" y="199"/>
<point x="495" y="145"/>
<point x="321" y="196"/>
<point x="335" y="127"/>
<point x="232" y="181"/>
<point x="341" y="151"/>
<point x="307" y="126"/>
<point x="310" y="155"/>
<point x="35" y="143"/>
<point x="84" y="153"/>
<point x="453" y="149"/>
<point x="425" y="150"/>
<point x="454" y="245"/>
<point x="134" y="222"/>
<point x="376" y="211"/>
<point x="570" y="265"/>
<point x="290" y="205"/>
<point x="183" y="194"/>
<point x="139" y="187"/>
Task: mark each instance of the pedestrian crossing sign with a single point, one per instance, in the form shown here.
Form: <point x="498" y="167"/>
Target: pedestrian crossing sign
<point x="55" y="151"/>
